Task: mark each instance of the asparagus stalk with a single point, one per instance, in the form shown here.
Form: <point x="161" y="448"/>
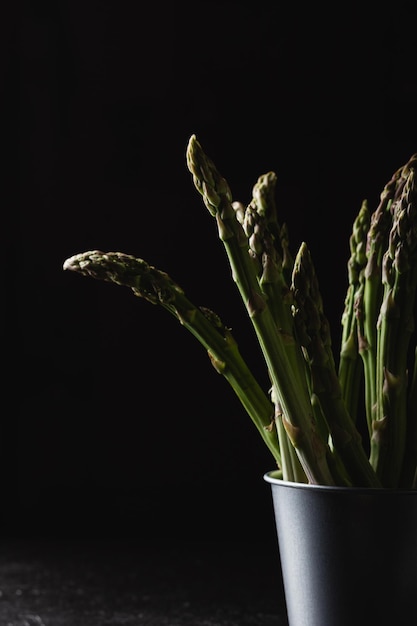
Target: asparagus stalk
<point x="395" y="329"/>
<point x="369" y="298"/>
<point x="297" y="416"/>
<point x="350" y="364"/>
<point x="314" y="334"/>
<point x="157" y="287"/>
<point x="264" y="237"/>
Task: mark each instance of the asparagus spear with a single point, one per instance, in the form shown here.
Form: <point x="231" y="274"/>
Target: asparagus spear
<point x="157" y="287"/>
<point x="350" y="364"/>
<point x="268" y="272"/>
<point x="395" y="329"/>
<point x="262" y="229"/>
<point x="314" y="334"/>
<point x="369" y="298"/>
<point x="297" y="412"/>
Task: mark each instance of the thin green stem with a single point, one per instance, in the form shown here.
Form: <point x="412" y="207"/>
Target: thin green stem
<point x="350" y="364"/>
<point x="158" y="288"/>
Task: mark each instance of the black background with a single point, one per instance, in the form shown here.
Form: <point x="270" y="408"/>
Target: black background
<point x="120" y="423"/>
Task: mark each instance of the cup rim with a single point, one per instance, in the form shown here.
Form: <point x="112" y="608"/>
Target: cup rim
<point x="272" y="477"/>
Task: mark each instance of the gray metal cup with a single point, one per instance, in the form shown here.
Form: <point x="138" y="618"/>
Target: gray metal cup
<point x="348" y="555"/>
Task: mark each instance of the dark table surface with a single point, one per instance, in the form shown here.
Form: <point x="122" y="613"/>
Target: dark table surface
<point x="116" y="581"/>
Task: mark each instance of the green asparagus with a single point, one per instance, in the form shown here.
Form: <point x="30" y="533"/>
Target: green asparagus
<point x="295" y="406"/>
<point x="157" y="287"/>
<point x="395" y="328"/>
<point x="310" y="417"/>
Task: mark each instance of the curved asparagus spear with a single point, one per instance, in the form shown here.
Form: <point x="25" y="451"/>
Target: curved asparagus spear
<point x="297" y="412"/>
<point x="157" y="287"/>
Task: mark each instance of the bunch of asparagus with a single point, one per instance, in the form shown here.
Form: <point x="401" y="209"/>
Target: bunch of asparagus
<point x="309" y="417"/>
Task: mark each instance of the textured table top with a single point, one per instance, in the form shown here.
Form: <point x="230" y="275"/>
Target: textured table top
<point x="114" y="583"/>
